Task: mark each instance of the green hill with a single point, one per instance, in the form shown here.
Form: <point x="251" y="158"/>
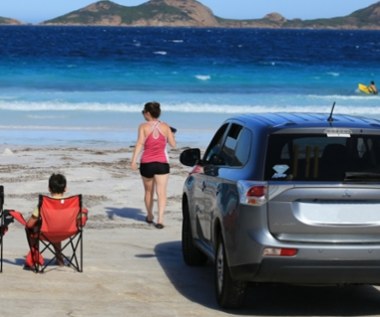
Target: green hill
<point x="367" y="18"/>
<point x="193" y="13"/>
<point x="151" y="13"/>
<point x="8" y="21"/>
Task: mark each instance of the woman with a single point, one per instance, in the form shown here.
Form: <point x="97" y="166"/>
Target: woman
<point x="153" y="135"/>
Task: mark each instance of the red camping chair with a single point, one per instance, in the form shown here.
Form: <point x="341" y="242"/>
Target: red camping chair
<point x="60" y="221"/>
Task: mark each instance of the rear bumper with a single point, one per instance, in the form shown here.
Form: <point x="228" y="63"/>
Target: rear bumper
<point x="314" y="263"/>
<point x="309" y="272"/>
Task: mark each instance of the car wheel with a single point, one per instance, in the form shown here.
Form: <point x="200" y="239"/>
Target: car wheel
<point x="230" y="293"/>
<point x="191" y="254"/>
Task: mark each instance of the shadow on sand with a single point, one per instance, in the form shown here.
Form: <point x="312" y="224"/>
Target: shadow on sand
<point x="130" y="213"/>
<point x="197" y="285"/>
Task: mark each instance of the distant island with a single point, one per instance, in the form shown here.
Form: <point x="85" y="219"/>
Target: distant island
<point x="191" y="13"/>
<point x="8" y="21"/>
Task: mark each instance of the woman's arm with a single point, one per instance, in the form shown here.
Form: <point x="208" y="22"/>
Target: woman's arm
<point x="170" y="136"/>
<point x="138" y="147"/>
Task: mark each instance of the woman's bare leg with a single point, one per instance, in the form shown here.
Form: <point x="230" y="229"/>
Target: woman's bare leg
<point x="148" y="196"/>
<point x="161" y="182"/>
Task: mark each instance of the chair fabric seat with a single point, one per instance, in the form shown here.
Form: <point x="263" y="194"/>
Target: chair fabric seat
<point x="61" y="221"/>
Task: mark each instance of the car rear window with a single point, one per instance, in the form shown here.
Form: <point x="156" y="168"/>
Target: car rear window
<point x="318" y="157"/>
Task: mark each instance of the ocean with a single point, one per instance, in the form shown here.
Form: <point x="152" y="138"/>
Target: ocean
<point x="86" y="86"/>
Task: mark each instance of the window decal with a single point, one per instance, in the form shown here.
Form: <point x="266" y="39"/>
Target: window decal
<point x="280" y="171"/>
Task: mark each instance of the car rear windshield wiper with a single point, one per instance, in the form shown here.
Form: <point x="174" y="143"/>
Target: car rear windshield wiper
<point x="362" y="176"/>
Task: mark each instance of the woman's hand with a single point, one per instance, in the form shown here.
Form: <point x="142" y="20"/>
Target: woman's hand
<point x="134" y="166"/>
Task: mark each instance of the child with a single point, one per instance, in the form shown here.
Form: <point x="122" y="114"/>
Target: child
<point x="57" y="188"/>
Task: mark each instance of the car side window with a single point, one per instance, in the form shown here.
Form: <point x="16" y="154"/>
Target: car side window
<point x="230" y="146"/>
<point x="244" y="146"/>
<point x="235" y="150"/>
<point x="212" y="154"/>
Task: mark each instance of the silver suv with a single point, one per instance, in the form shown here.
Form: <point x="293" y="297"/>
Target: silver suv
<point x="285" y="198"/>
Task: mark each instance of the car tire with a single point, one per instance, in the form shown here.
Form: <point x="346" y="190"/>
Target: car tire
<point x="230" y="293"/>
<point x="191" y="254"/>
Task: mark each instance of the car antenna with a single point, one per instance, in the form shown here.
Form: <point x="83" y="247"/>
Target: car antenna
<point x="330" y="118"/>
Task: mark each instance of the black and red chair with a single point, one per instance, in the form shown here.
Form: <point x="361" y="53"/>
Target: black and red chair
<point x="61" y="221"/>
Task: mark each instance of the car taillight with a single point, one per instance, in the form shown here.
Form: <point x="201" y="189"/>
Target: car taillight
<point x="256" y="195"/>
<point x="256" y="191"/>
<point x="253" y="193"/>
<point x="280" y="252"/>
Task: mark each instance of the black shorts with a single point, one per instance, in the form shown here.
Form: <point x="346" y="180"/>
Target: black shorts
<point x="148" y="170"/>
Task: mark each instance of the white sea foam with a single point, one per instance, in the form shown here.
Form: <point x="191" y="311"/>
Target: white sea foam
<point x="54" y="106"/>
<point x="32" y="127"/>
<point x="160" y="53"/>
<point x="203" y="77"/>
<point x="116" y="123"/>
<point x="55" y="110"/>
<point x="334" y="74"/>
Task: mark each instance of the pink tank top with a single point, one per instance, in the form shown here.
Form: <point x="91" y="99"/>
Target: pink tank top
<point x="155" y="146"/>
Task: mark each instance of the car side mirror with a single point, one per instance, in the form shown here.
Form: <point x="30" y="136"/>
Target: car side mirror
<point x="190" y="157"/>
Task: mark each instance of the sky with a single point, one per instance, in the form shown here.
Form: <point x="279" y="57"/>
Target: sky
<point x="35" y="11"/>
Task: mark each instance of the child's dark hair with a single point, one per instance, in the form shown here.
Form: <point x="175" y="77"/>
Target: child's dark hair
<point x="153" y="108"/>
<point x="57" y="184"/>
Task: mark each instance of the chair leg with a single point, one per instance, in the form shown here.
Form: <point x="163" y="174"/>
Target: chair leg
<point x="34" y="259"/>
<point x="73" y="248"/>
<point x="1" y="252"/>
<point x="1" y="239"/>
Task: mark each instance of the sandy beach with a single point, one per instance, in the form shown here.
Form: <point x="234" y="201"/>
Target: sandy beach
<point x="126" y="261"/>
<point x="130" y="268"/>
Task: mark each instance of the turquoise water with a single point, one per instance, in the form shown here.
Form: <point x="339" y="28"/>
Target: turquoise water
<point x="87" y="85"/>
